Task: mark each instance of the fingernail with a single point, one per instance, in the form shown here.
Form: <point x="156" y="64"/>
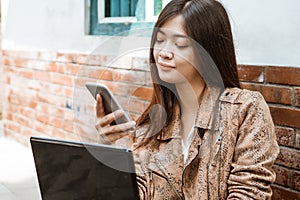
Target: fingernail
<point x="133" y="123"/>
<point x="120" y="112"/>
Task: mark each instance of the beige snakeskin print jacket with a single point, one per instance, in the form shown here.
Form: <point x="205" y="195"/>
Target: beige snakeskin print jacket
<point x="230" y="157"/>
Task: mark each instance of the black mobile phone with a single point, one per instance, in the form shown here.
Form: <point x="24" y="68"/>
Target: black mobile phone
<point x="110" y="103"/>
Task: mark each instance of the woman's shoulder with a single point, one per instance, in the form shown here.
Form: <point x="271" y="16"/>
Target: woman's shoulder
<point x="241" y="96"/>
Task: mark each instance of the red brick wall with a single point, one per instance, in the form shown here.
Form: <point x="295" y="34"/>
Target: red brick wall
<point x="43" y="93"/>
<point x="281" y="88"/>
<point x="43" y="96"/>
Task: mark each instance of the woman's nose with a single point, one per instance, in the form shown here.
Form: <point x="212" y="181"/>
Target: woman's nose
<point x="167" y="54"/>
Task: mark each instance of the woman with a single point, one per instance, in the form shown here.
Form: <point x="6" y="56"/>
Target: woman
<point x="202" y="137"/>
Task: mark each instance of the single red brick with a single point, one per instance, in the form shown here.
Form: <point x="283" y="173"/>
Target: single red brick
<point x="27" y="74"/>
<point x="289" y="157"/>
<point x="72" y="69"/>
<point x="62" y="124"/>
<point x="6" y="61"/>
<point x="297" y="142"/>
<point x="41" y="117"/>
<point x="272" y="94"/>
<point x="32" y="104"/>
<point x="133" y="77"/>
<point x="285" y="136"/>
<point x="297" y="96"/>
<point x="42" y="128"/>
<point x="80" y="82"/>
<point x="51" y="67"/>
<point x="117" y="88"/>
<point x="283" y="75"/>
<point x="52" y="88"/>
<point x="92" y="59"/>
<point x="61" y="68"/>
<point x="68" y="92"/>
<point x="47" y="56"/>
<point x="80" y="58"/>
<point x="295" y="180"/>
<point x="251" y="73"/>
<point x="42" y="75"/>
<point x="99" y="73"/>
<point x="282" y="175"/>
<point x="20" y="62"/>
<point x="62" y="79"/>
<point x="284" y="193"/>
<point x="64" y="57"/>
<point x="286" y="116"/>
<point x="143" y="93"/>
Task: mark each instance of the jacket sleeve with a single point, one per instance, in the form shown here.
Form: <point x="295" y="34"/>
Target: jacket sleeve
<point x="255" y="152"/>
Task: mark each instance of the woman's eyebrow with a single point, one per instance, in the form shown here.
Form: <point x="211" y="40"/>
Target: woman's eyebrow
<point x="174" y="35"/>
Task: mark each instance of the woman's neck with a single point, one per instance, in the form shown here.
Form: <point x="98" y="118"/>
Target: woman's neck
<point x="190" y="99"/>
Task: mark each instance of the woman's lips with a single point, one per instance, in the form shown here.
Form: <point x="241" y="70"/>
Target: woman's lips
<point x="165" y="66"/>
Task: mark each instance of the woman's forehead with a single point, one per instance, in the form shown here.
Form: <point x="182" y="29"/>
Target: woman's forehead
<point x="174" y="26"/>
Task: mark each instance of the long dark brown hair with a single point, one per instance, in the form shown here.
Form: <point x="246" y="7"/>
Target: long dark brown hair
<point x="207" y="23"/>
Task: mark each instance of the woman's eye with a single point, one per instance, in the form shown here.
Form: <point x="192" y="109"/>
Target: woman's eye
<point x="159" y="40"/>
<point x="182" y="46"/>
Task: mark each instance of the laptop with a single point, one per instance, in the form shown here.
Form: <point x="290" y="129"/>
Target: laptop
<point x="73" y="170"/>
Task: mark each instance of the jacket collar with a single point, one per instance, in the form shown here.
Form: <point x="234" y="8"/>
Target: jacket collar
<point x="208" y="114"/>
<point x="207" y="117"/>
<point x="172" y="130"/>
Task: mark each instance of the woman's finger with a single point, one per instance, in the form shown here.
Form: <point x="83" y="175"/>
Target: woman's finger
<point x="112" y="137"/>
<point x="108" y="119"/>
<point x="110" y="130"/>
<point x="99" y="106"/>
<point x="110" y="134"/>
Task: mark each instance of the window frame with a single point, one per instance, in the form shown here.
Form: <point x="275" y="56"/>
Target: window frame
<point x="112" y="26"/>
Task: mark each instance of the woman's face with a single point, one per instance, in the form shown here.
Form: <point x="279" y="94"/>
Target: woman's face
<point x="173" y="53"/>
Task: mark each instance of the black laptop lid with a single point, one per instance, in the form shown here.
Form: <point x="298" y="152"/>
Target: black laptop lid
<point x="70" y="170"/>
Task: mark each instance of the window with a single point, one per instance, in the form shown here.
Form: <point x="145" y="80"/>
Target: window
<point x="125" y="8"/>
<point x="111" y="17"/>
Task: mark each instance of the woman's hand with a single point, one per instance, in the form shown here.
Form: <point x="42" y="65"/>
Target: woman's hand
<point x="110" y="133"/>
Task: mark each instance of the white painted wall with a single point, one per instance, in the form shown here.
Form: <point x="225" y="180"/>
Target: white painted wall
<point x="53" y="25"/>
<point x="266" y="31"/>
